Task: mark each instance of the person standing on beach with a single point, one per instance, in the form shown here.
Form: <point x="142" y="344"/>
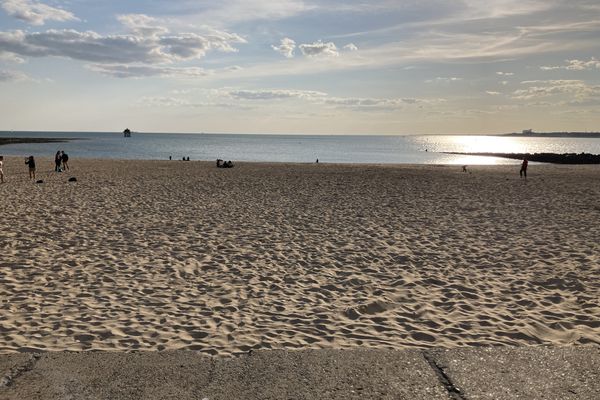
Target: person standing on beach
<point x="523" y="171"/>
<point x="31" y="162"/>
<point x="65" y="160"/>
<point x="57" y="161"/>
<point x="1" y="171"/>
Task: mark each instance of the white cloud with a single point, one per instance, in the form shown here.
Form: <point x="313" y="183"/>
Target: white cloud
<point x="350" y="47"/>
<point x="575" y="65"/>
<point x="321" y="98"/>
<point x="146" y="45"/>
<point x="36" y="13"/>
<point x="234" y="11"/>
<point x="441" y="79"/>
<point x="11" y="58"/>
<point x="286" y="47"/>
<point x="576" y="89"/>
<point x="274" y="94"/>
<point x="161" y="101"/>
<point x="143" y="71"/>
<point x="492" y="93"/>
<point x="12" y="76"/>
<point x="319" y="48"/>
<point x="504" y="73"/>
<point x="142" y="25"/>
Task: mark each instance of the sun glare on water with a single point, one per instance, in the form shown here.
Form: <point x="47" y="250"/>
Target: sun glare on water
<point x="487" y="144"/>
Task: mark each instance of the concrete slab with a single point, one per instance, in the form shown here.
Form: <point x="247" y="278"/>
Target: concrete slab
<point x="94" y="375"/>
<point x="10" y="364"/>
<point x="501" y="373"/>
<point x="467" y="373"/>
<point x="309" y="374"/>
<point x="327" y="374"/>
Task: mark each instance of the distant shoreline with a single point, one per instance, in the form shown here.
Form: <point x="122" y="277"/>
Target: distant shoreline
<point x="555" y="134"/>
<point x="14" y="140"/>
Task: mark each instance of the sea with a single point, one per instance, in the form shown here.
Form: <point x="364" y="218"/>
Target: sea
<point x="365" y="149"/>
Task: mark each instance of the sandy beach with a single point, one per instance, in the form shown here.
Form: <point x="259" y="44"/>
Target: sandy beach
<point x="165" y="255"/>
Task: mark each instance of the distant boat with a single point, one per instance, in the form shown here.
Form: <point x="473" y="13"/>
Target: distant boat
<point x="126" y="133"/>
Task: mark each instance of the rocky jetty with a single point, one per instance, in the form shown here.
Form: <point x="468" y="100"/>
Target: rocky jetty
<point x="554" y="158"/>
<point x="15" y="140"/>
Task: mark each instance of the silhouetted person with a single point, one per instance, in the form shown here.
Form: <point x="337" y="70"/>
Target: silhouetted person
<point x="31" y="162"/>
<point x="57" y="161"/>
<point x="523" y="171"/>
<point x="65" y="160"/>
<point x="1" y="171"/>
<point x="219" y="163"/>
<point x="317" y="161"/>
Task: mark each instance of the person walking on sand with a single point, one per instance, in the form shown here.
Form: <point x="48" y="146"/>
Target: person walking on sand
<point x="57" y="161"/>
<point x="31" y="162"/>
<point x="1" y="171"/>
<point x="65" y="160"/>
<point x="523" y="171"/>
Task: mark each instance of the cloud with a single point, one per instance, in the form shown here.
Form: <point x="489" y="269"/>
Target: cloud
<point x="577" y="89"/>
<point x="319" y="48"/>
<point x="575" y="65"/>
<point x="142" y="25"/>
<point x="8" y="57"/>
<point x="36" y="13"/>
<point x="144" y="71"/>
<point x="235" y="11"/>
<point x="161" y="101"/>
<point x="350" y="47"/>
<point x="147" y="44"/>
<point x="12" y="76"/>
<point x="370" y="103"/>
<point x="492" y="93"/>
<point x="441" y="79"/>
<point x="274" y="94"/>
<point x="286" y="47"/>
<point x="321" y="98"/>
<point x="504" y="73"/>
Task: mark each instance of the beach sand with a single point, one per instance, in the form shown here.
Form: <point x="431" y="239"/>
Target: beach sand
<point x="155" y="255"/>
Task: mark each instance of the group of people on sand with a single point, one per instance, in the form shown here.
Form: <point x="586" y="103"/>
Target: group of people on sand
<point x="224" y="164"/>
<point x="61" y="161"/>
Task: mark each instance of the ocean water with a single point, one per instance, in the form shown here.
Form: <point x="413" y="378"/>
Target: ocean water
<point x="426" y="149"/>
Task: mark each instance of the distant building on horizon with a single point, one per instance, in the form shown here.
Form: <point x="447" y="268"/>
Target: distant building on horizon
<point x="527" y="131"/>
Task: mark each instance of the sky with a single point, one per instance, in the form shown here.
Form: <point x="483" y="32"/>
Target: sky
<point x="388" y="67"/>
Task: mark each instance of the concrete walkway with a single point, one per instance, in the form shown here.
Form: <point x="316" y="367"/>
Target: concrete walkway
<point x="464" y="373"/>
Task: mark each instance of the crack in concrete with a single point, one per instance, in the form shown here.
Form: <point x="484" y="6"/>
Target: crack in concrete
<point x="8" y="379"/>
<point x="444" y="379"/>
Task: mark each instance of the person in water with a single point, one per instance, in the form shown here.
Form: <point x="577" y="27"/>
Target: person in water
<point x="31" y="162"/>
<point x="523" y="171"/>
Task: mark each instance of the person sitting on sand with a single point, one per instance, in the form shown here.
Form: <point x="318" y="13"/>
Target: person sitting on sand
<point x="31" y="162"/>
<point x="228" y="164"/>
<point x="219" y="163"/>
<point x="1" y="171"/>
<point x="65" y="160"/>
<point x="523" y="171"/>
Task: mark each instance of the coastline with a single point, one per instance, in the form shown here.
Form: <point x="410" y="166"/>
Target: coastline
<point x="17" y="140"/>
<point x="160" y="255"/>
